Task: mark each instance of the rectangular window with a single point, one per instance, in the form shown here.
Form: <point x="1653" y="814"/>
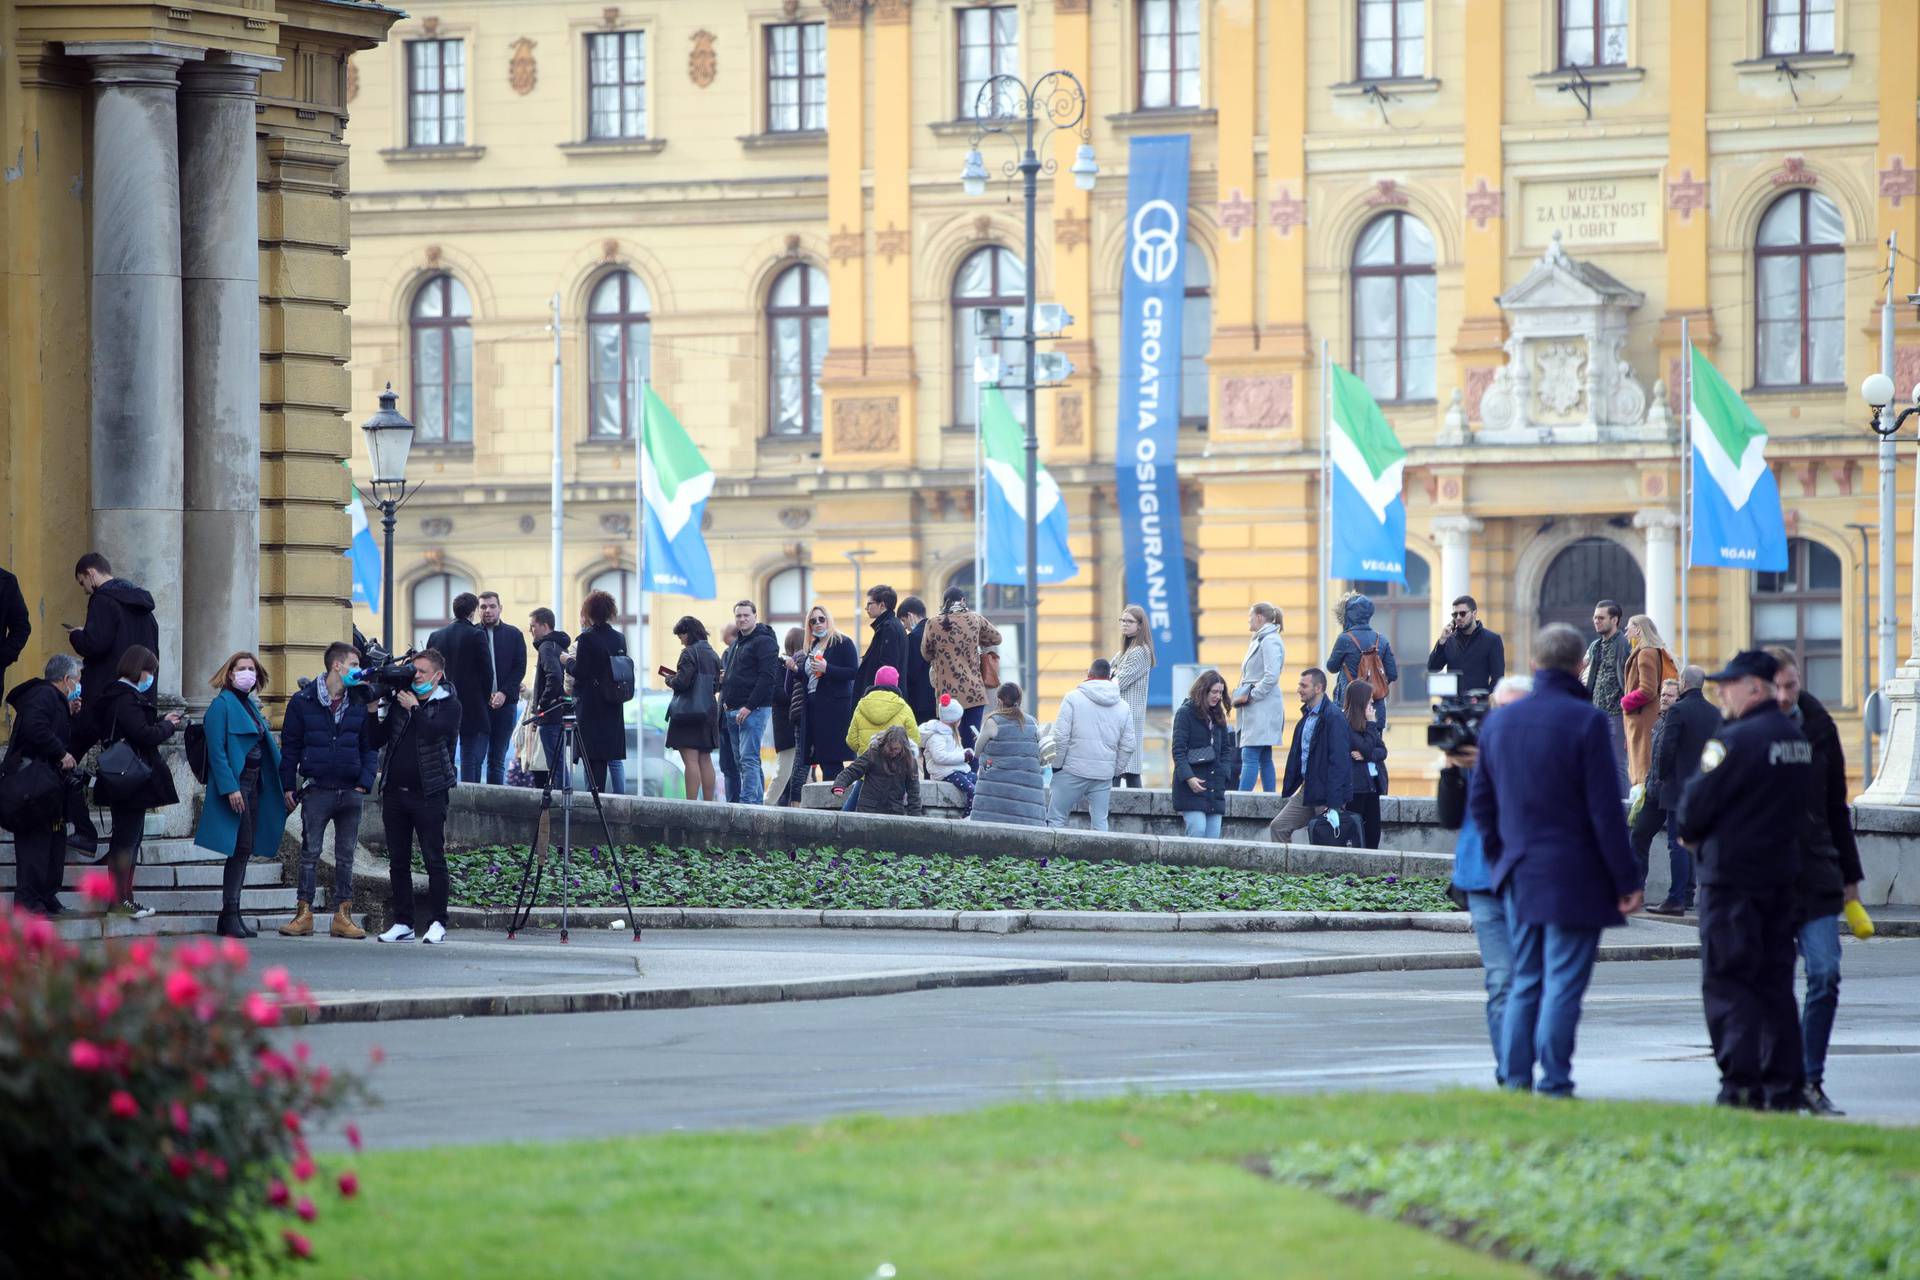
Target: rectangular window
<point x="1593" y="33"/>
<point x="1799" y="26"/>
<point x="617" y="85"/>
<point x="797" y="77"/>
<point x="436" y="93"/>
<point x="1169" y="54"/>
<point x="1392" y="39"/>
<point x="989" y="46"/>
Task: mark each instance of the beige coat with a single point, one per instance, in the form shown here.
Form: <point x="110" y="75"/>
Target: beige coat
<point x="952" y="646"/>
<point x="1646" y="670"/>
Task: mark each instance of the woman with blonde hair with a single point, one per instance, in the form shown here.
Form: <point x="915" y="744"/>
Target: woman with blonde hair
<point x="1131" y="668"/>
<point x="831" y="664"/>
<point x="1649" y="665"/>
<point x="245" y="809"/>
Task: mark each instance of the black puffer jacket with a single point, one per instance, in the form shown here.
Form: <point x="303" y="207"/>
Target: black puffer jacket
<point x="119" y="616"/>
<point x="1833" y="857"/>
<point x="42" y="724"/>
<point x="429" y="730"/>
<point x="548" y="676"/>
<point x="753" y="671"/>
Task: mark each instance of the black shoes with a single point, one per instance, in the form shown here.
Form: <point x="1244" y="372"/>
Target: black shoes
<point x="1814" y="1101"/>
<point x="1666" y="909"/>
<point x="231" y="925"/>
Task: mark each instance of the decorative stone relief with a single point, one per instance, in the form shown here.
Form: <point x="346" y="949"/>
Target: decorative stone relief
<point x="844" y="245"/>
<point x="1263" y="403"/>
<point x="522" y="72"/>
<point x="433" y="255"/>
<point x="983" y="228"/>
<point x="1485" y="204"/>
<point x="795" y="517"/>
<point x="1906" y="371"/>
<point x="610" y="17"/>
<point x="892" y="243"/>
<point x="1478" y="380"/>
<point x="1069" y="230"/>
<point x="1684" y="195"/>
<point x="1793" y="172"/>
<point x="1453" y="427"/>
<point x="845" y="13"/>
<point x="891" y="11"/>
<point x="1070" y="422"/>
<point x="431" y="26"/>
<point x="791" y="8"/>
<point x="1560" y="384"/>
<point x="1897" y="182"/>
<point x="610" y="250"/>
<point x="866" y="424"/>
<point x="353" y="80"/>
<point x="436" y="526"/>
<point x="793" y="246"/>
<point x="1386" y="192"/>
<point x="618" y="523"/>
<point x="702" y="62"/>
<point x="526" y="524"/>
<point x="1285" y="211"/>
<point x="1236" y="214"/>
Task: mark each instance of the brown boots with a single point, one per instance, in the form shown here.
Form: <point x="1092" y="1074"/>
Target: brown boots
<point x="342" y="926"/>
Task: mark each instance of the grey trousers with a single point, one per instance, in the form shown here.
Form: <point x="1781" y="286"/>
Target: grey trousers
<point x="1069" y="791"/>
<point x="1294" y="814"/>
<point x="343" y="808"/>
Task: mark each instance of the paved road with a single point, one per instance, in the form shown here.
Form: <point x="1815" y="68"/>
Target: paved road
<point x="585" y="1075"/>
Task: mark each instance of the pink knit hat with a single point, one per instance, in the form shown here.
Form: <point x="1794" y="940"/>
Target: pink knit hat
<point x="950" y="711"/>
<point x="887" y="678"/>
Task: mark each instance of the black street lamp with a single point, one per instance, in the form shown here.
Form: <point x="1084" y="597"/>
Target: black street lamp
<point x="389" y="440"/>
<point x="1005" y="103"/>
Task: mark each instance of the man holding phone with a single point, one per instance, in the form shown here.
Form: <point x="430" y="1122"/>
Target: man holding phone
<point x="1467" y="648"/>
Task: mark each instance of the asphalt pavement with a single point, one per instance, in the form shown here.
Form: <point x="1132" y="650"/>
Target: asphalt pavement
<point x="597" y="1074"/>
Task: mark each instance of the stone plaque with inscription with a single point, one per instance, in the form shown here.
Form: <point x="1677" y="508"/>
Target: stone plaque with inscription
<point x="1594" y="212"/>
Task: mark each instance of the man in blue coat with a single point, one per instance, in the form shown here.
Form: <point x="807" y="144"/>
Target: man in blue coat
<point x="1319" y="776"/>
<point x="1548" y="808"/>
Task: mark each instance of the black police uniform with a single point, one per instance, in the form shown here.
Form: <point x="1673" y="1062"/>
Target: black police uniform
<point x="1744" y="816"/>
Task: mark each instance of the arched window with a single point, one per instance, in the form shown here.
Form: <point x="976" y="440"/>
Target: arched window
<point x="441" y="329"/>
<point x="1400" y="613"/>
<point x="1800" y="610"/>
<point x="1394" y="308"/>
<point x="1588" y="571"/>
<point x="1196" y="337"/>
<point x="625" y="590"/>
<point x="1799" y="298"/>
<point x="430" y="603"/>
<point x="619" y="329"/>
<point x="991" y="279"/>
<point x="797" y="347"/>
<point x="1005" y="607"/>
<point x="788" y="597"/>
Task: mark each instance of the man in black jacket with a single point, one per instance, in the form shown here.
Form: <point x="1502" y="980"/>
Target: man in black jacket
<point x="42" y="725"/>
<point x="15" y="624"/>
<point x="1742" y="815"/>
<point x="916" y="678"/>
<point x="1685" y="731"/>
<point x="417" y="733"/>
<point x="119" y="616"/>
<point x="1829" y="878"/>
<point x="324" y="739"/>
<point x="549" y="682"/>
<point x="463" y="651"/>
<point x="747" y="693"/>
<point x="1466" y="647"/>
<point x="888" y="645"/>
<point x="503" y="651"/>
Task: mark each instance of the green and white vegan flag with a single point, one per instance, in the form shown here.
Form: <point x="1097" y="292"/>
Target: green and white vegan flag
<point x="677" y="484"/>
<point x="1369" y="515"/>
<point x="1004" y="444"/>
<point x="1737" y="521"/>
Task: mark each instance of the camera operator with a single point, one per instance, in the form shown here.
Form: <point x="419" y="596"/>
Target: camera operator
<point x="417" y="728"/>
<point x="323" y="738"/>
<point x="1472" y="878"/>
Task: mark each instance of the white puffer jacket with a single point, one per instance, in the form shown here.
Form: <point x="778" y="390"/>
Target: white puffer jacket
<point x="1093" y="733"/>
<point x="940" y="745"/>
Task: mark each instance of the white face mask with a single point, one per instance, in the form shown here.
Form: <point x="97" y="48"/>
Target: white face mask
<point x="820" y="630"/>
<point x="243" y="679"/>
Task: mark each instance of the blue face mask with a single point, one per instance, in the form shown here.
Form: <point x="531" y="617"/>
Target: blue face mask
<point x="351" y="677"/>
<point x="146" y="683"/>
<point x="421" y="688"/>
<point x="73" y="694"/>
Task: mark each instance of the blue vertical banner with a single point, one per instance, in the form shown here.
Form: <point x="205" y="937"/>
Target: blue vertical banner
<point x="1152" y="297"/>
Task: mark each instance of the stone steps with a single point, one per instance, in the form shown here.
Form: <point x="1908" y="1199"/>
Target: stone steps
<point x="178" y="876"/>
<point x="178" y="879"/>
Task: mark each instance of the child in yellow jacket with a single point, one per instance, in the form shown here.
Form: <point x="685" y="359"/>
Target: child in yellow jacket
<point x="880" y="710"/>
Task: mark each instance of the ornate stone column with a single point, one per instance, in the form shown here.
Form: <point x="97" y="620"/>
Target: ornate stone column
<point x="220" y="281"/>
<point x="1455" y="536"/>
<point x="134" y="354"/>
<point x="1662" y="530"/>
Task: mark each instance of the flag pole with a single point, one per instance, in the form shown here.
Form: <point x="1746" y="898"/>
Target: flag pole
<point x="557" y="500"/>
<point x="640" y="668"/>
<point x="979" y="496"/>
<point x="1326" y="515"/>
<point x="1686" y="477"/>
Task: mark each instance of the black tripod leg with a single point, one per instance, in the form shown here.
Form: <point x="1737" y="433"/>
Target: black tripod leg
<point x="613" y="857"/>
<point x="529" y="891"/>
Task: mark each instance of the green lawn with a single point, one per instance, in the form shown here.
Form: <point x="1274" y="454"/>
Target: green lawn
<point x="845" y="879"/>
<point x="1162" y="1187"/>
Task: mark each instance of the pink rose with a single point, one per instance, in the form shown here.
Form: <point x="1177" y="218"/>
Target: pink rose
<point x="275" y="979"/>
<point x="106" y="1001"/>
<point x="297" y="1245"/>
<point x="177" y="1113"/>
<point x="182" y="988"/>
<point x="303" y="1166"/>
<point x="291" y="1119"/>
<point x="277" y="1193"/>
<point x="349" y="1184"/>
<point x="261" y="1010"/>
<point x="97" y="886"/>
<point x="122" y="1105"/>
<point x="306" y="1210"/>
<point x="353" y="1136"/>
<point x="179" y="1166"/>
<point x="86" y="1056"/>
<point x="234" y="953"/>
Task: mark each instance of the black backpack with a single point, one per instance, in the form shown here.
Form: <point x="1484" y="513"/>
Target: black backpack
<point x="195" y="742"/>
<point x="620" y="684"/>
<point x="31" y="794"/>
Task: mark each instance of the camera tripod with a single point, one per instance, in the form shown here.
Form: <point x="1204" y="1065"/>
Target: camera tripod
<point x="531" y="872"/>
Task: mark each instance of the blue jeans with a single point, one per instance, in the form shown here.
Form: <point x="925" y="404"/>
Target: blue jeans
<point x="1680" y="867"/>
<point x="744" y="740"/>
<point x="1820" y="948"/>
<point x="1204" y="826"/>
<point x="1257" y="762"/>
<point x="474" y="745"/>
<point x="1551" y="968"/>
<point x="500" y="723"/>
<point x="1496" y="958"/>
<point x="609" y="775"/>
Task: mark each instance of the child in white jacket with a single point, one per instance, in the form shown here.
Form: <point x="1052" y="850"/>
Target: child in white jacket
<point x="945" y="759"/>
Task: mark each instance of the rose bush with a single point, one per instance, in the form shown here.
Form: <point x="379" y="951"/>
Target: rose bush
<point x="147" y="1117"/>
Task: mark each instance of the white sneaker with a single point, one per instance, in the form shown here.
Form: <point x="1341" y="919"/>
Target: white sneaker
<point x="398" y="933"/>
<point x="436" y="933"/>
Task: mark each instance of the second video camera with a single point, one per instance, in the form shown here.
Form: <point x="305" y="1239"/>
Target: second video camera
<point x="1456" y="716"/>
<point x="388" y="677"/>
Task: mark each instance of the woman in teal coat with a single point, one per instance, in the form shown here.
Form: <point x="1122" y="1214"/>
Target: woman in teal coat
<point x="245" y="810"/>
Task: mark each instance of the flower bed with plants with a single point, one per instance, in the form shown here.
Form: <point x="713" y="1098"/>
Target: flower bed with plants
<point x="148" y="1120"/>
<point x="858" y="879"/>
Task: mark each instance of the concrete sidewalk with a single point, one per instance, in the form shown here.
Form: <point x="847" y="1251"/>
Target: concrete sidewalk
<point x="482" y="974"/>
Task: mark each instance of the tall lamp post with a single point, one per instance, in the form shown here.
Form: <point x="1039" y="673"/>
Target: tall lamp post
<point x="389" y="440"/>
<point x="1005" y="103"/>
<point x="855" y="558"/>
<point x="1898" y="782"/>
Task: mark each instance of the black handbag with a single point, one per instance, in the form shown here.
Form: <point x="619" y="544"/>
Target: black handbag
<point x="31" y="795"/>
<point x="694" y="703"/>
<point x="1349" y="836"/>
<point x="120" y="775"/>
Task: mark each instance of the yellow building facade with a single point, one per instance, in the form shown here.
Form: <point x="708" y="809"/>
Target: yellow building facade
<point x="173" y="332"/>
<point x="1499" y="212"/>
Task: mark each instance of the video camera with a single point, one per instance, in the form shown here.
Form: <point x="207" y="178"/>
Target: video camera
<point x="1456" y="716"/>
<point x="384" y="678"/>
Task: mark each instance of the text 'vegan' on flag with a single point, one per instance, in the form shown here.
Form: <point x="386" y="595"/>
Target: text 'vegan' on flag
<point x="363" y="553"/>
<point x="1737" y="521"/>
<point x="677" y="482"/>
<point x="1004" y="445"/>
<point x="1369" y="516"/>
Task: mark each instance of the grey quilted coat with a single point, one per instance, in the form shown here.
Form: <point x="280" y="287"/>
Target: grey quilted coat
<point x="1011" y="787"/>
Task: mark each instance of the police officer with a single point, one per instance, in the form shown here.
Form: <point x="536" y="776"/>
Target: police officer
<point x="1743" y="816"/>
